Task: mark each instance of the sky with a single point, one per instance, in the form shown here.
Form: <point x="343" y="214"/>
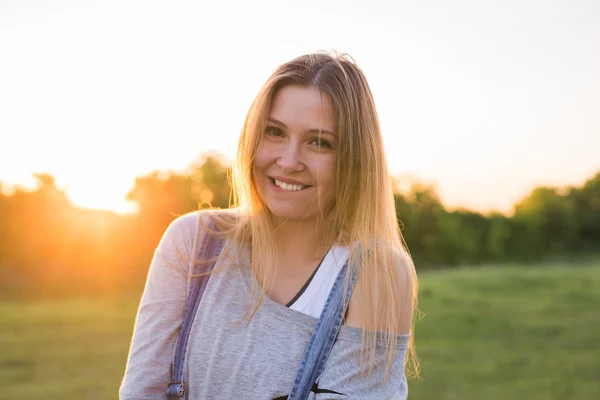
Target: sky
<point x="483" y="99"/>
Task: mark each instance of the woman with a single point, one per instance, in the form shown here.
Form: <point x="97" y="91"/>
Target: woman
<point x="312" y="195"/>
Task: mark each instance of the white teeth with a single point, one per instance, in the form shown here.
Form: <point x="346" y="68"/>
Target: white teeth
<point x="287" y="186"/>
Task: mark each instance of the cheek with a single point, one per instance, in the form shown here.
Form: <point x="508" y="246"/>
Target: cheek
<point x="326" y="174"/>
<point x="261" y="158"/>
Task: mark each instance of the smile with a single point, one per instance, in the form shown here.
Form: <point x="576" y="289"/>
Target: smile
<point x="288" y="186"/>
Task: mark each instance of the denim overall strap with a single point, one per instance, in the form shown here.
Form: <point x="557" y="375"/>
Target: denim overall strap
<point x="209" y="248"/>
<point x="323" y="336"/>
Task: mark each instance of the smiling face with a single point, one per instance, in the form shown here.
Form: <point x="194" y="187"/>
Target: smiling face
<point x="294" y="166"/>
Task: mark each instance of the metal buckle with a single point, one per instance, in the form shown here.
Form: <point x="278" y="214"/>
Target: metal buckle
<point x="175" y="391"/>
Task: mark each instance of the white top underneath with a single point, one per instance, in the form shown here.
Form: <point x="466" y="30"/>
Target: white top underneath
<point x="312" y="301"/>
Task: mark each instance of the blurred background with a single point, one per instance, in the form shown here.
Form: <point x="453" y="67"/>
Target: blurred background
<point x="118" y="116"/>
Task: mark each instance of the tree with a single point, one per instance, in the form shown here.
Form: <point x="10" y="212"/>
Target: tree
<point x="551" y="218"/>
<point x="587" y="205"/>
<point x="210" y="182"/>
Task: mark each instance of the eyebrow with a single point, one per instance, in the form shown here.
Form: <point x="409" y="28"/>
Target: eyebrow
<point x="276" y="122"/>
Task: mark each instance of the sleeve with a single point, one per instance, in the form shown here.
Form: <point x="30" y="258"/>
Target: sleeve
<point x="147" y="372"/>
<point x="344" y="378"/>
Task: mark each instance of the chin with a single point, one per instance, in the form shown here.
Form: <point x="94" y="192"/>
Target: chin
<point x="292" y="214"/>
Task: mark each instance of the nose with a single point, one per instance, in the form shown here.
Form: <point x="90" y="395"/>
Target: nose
<point x="290" y="159"/>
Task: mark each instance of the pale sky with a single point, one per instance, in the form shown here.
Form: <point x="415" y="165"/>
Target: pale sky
<point x="484" y="98"/>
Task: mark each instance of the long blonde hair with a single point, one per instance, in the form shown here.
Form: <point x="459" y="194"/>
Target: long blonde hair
<point x="363" y="216"/>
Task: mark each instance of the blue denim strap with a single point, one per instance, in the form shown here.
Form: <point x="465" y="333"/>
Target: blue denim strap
<point x="323" y="337"/>
<point x="210" y="247"/>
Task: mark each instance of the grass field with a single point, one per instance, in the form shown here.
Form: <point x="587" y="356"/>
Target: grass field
<point x="490" y="333"/>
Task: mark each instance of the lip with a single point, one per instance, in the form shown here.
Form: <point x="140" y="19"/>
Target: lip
<point x="289" y="181"/>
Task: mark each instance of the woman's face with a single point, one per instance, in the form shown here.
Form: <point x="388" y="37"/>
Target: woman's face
<point x="294" y="167"/>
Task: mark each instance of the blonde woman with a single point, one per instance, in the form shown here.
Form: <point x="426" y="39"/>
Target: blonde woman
<point x="314" y="222"/>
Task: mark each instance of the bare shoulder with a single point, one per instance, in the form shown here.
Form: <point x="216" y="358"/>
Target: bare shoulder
<point x="364" y="301"/>
<point x="405" y="279"/>
<point x="404" y="271"/>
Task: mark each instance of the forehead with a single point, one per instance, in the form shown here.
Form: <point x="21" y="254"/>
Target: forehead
<point x="303" y="107"/>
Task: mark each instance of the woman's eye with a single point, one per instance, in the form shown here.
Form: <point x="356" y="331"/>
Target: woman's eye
<point x="273" y="131"/>
<point x="321" y="143"/>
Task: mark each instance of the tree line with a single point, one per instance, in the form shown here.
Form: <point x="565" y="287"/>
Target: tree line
<point x="50" y="247"/>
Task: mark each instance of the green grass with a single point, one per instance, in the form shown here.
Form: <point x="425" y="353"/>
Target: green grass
<point x="490" y="333"/>
<point x="66" y="350"/>
<point x="518" y="333"/>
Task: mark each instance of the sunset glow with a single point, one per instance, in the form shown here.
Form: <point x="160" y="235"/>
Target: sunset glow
<point x="486" y="104"/>
<point x="100" y="198"/>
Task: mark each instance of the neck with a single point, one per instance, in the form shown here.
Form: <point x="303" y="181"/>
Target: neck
<point x="299" y="240"/>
